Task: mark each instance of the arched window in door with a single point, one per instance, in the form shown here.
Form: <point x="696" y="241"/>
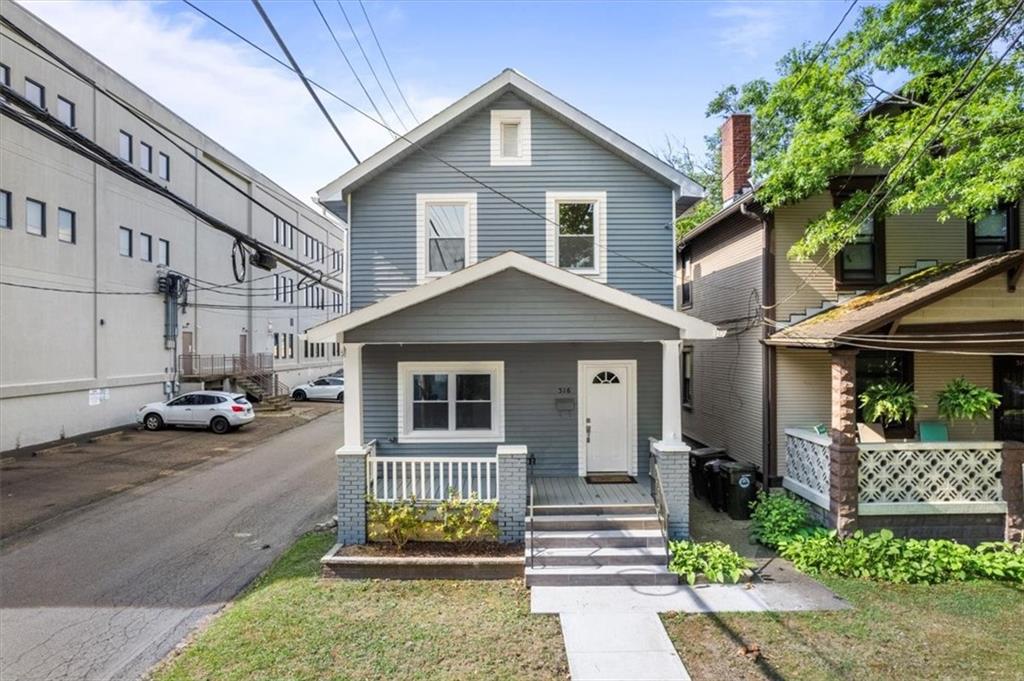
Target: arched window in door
<point x="605" y="377"/>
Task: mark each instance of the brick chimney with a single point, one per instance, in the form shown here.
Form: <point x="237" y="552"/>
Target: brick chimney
<point x="735" y="155"/>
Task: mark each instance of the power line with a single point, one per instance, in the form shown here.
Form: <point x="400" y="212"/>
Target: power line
<point x="370" y="64"/>
<point x="302" y="77"/>
<point x="344" y="56"/>
<point x="386" y="62"/>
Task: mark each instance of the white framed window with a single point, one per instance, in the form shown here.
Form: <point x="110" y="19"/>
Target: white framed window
<point x="451" y="401"/>
<point x="446" y="234"/>
<point x="510" y="137"/>
<point x="577" y="229"/>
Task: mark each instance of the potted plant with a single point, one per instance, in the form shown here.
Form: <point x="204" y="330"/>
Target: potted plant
<point x="962" y="400"/>
<point x="889" y="402"/>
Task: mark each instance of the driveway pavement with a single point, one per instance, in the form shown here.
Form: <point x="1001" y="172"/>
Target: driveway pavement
<point x="105" y="592"/>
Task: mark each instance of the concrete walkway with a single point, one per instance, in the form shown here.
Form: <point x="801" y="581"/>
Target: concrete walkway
<point x="615" y="646"/>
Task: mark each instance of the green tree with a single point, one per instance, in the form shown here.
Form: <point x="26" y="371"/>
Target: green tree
<point x="950" y="136"/>
<point x="705" y="170"/>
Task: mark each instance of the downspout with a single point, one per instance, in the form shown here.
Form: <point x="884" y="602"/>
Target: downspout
<point x="769" y="414"/>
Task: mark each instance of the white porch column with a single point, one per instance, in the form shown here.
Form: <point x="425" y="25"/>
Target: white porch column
<point x="353" y="365"/>
<point x="671" y="397"/>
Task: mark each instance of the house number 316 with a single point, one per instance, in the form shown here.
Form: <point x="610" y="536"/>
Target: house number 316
<point x="564" y="390"/>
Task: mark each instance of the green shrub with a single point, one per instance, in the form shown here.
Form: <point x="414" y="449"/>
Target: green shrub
<point x="962" y="400"/>
<point x="715" y="560"/>
<point x="397" y="521"/>
<point x="778" y="518"/>
<point x="889" y="402"/>
<point x="467" y="518"/>
<point x="881" y="556"/>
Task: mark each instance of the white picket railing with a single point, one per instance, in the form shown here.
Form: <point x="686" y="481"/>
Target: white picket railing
<point x="808" y="471"/>
<point x="930" y="477"/>
<point x="430" y="478"/>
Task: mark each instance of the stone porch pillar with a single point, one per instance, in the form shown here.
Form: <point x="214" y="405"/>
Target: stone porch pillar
<point x="1013" y="490"/>
<point x="843" y="452"/>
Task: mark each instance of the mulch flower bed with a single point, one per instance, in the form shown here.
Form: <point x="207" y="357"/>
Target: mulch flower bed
<point x="425" y="560"/>
<point x="439" y="549"/>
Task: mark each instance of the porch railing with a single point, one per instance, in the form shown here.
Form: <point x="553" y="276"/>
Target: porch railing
<point x="807" y="466"/>
<point x="660" y="502"/>
<point x="428" y="478"/>
<point x="219" y="366"/>
<point x="930" y="477"/>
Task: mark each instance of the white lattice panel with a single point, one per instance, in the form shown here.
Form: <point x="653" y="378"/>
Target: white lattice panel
<point x="807" y="462"/>
<point x="930" y="473"/>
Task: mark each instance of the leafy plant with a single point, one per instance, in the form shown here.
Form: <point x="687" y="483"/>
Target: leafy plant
<point x="889" y="402"/>
<point x="467" y="518"/>
<point x="397" y="521"/>
<point x="777" y="518"/>
<point x="881" y="556"/>
<point x="715" y="560"/>
<point x="963" y="400"/>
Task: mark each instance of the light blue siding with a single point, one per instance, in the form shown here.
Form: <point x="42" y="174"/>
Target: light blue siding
<point x="511" y="306"/>
<point x="533" y="375"/>
<point x="639" y="211"/>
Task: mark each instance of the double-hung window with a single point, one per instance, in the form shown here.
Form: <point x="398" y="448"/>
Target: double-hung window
<point x="447" y="233"/>
<point x="576" y="231"/>
<point x="996" y="232"/>
<point x="861" y="263"/>
<point x="451" y="401"/>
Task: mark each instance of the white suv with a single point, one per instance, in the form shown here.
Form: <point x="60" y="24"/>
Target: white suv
<point x="213" y="409"/>
<point x="326" y="388"/>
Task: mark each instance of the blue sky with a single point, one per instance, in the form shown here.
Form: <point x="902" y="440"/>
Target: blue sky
<point x="646" y="69"/>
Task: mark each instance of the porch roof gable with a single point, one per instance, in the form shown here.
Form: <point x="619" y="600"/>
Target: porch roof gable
<point x="688" y="327"/>
<point x="871" y="311"/>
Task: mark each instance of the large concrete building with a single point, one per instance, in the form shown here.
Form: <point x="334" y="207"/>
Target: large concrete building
<point x="81" y="250"/>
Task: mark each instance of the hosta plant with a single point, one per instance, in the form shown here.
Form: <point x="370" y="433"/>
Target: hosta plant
<point x="962" y="400"/>
<point x="889" y="402"/>
<point x="777" y="518"/>
<point x="713" y="559"/>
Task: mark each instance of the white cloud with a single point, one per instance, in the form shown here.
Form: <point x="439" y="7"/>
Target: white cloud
<point x="236" y="96"/>
<point x="750" y="30"/>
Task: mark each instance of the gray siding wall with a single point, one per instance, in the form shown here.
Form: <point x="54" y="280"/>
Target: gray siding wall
<point x="727" y="406"/>
<point x="639" y="210"/>
<point x="533" y="374"/>
<point x="513" y="307"/>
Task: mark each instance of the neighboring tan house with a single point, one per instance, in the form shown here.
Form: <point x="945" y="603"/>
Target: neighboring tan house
<point x="511" y="314"/>
<point x="913" y="299"/>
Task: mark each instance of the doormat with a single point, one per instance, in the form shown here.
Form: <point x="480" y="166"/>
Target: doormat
<point x="609" y="479"/>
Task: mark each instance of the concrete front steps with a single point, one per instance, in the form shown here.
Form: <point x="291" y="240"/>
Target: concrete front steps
<point x="614" y="545"/>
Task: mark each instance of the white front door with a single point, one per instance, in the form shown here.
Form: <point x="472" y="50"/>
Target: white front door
<point x="607" y="417"/>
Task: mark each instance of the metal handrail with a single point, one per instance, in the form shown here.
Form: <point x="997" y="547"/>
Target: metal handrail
<point x="660" y="505"/>
<point x="533" y="544"/>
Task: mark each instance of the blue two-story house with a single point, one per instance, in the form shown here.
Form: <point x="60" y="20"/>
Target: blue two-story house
<point x="511" y="285"/>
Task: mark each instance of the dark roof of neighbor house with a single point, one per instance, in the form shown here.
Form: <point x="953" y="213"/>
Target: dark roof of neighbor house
<point x="734" y="206"/>
<point x="871" y="311"/>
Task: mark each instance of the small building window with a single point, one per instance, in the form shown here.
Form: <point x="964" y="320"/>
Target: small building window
<point x="124" y="149"/>
<point x="35" y="217"/>
<point x="451" y="401"/>
<point x="145" y="247"/>
<point x="685" y="295"/>
<point x="510" y="137"/>
<point x="124" y="245"/>
<point x="996" y="232"/>
<point x="35" y="93"/>
<point x="164" y="166"/>
<point x="687" y="371"/>
<point x="66" y="226"/>
<point x="66" y="111"/>
<point x="5" y="75"/>
<point x="860" y="262"/>
<point x="164" y="252"/>
<point x="146" y="157"/>
<point x="5" y="209"/>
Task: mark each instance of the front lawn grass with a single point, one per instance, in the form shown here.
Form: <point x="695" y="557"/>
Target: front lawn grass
<point x="290" y="624"/>
<point x="972" y="630"/>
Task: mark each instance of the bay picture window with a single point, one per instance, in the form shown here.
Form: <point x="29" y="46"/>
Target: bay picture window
<point x="447" y="234"/>
<point x="451" y="401"/>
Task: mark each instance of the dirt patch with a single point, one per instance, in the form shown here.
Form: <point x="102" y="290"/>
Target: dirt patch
<point x="433" y="549"/>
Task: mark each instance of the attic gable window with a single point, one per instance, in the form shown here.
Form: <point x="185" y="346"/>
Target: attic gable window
<point x="510" y="137"/>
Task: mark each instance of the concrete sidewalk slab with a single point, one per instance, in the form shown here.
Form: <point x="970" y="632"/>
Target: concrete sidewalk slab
<point x="619" y="646"/>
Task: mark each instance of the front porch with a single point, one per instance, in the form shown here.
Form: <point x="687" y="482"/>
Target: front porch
<point x="576" y="491"/>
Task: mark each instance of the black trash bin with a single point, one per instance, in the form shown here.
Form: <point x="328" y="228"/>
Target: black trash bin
<point x="739" y="481"/>
<point x="715" y="483"/>
<point x="699" y="457"/>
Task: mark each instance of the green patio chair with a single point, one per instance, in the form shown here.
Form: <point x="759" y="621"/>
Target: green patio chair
<point x="932" y="431"/>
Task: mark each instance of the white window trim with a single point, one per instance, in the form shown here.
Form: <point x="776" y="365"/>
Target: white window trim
<point x="522" y="117"/>
<point x="422" y="201"/>
<point x="405" y="374"/>
<point x="600" y="201"/>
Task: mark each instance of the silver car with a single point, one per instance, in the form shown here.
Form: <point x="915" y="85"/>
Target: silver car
<point x="325" y="388"/>
<point x="219" y="411"/>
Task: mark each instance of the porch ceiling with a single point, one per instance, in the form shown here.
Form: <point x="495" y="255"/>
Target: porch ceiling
<point x="874" y="311"/>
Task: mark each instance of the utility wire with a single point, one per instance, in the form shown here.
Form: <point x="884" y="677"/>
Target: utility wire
<point x="386" y="62"/>
<point x="344" y="56"/>
<point x="370" y="64"/>
<point x="302" y="77"/>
